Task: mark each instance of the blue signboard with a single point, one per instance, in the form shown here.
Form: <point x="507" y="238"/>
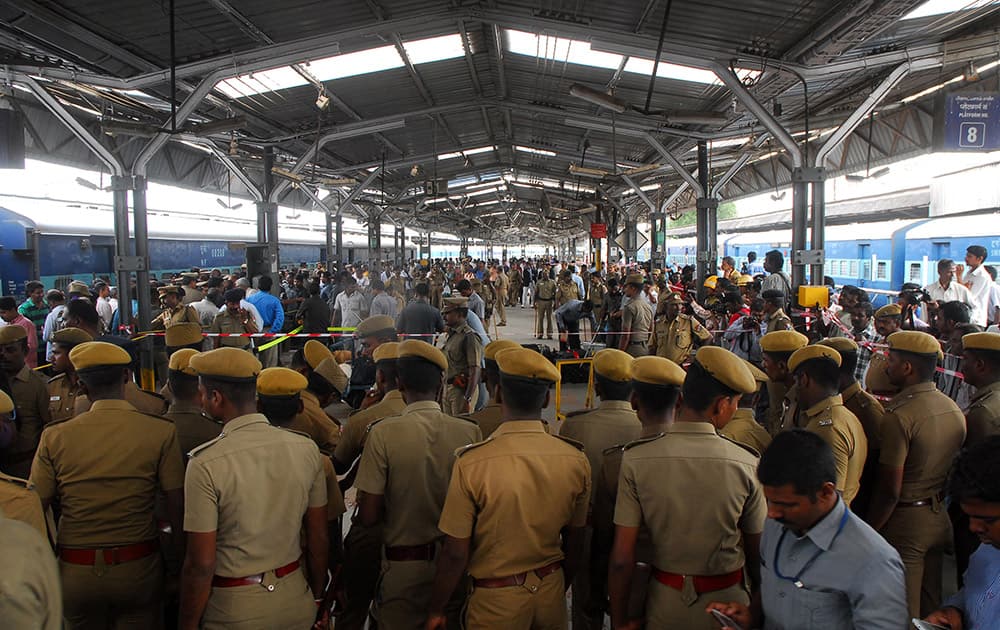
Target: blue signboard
<point x="971" y="122"/>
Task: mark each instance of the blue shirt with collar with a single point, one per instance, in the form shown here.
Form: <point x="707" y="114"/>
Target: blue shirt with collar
<point x="979" y="599"/>
<point x="854" y="578"/>
<point x="270" y="309"/>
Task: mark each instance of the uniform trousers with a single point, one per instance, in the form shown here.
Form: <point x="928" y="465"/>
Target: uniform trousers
<point x="289" y="606"/>
<point x="526" y="297"/>
<point x="362" y="555"/>
<point x="501" y="306"/>
<point x="587" y="607"/>
<point x="543" y="317"/>
<point x="404" y="590"/>
<point x="538" y="604"/>
<point x="454" y="401"/>
<point x="126" y="595"/>
<point x="666" y="607"/>
<point x="775" y="398"/>
<point x="921" y="535"/>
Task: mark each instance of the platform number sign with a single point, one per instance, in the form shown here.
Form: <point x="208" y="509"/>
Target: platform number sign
<point x="970" y="122"/>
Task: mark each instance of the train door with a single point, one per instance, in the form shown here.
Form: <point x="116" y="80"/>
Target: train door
<point x="864" y="255"/>
<point x="104" y="262"/>
<point x="940" y="249"/>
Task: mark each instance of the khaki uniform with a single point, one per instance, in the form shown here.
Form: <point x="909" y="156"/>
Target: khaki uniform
<point x="193" y="427"/>
<point x="105" y="467"/>
<point x="19" y="501"/>
<point x="362" y="545"/>
<point x="490" y="417"/>
<point x="775" y="397"/>
<point x="314" y="422"/>
<point x="396" y="285"/>
<point x="791" y="416"/>
<point x="190" y="295"/>
<point x="32" y="598"/>
<point x="226" y="322"/>
<point x="31" y="403"/>
<point x="613" y="422"/>
<point x="876" y="379"/>
<point x="516" y="282"/>
<point x="922" y="431"/>
<point x="675" y="339"/>
<point x="744" y="429"/>
<point x="869" y="412"/>
<point x="464" y="350"/>
<point x="437" y="287"/>
<point x="143" y="401"/>
<point x="230" y="489"/>
<point x="566" y="291"/>
<point x="501" y="287"/>
<point x="408" y="460"/>
<point x="983" y="414"/>
<point x="545" y="292"/>
<point x="512" y="495"/>
<point x="595" y="295"/>
<point x="62" y="397"/>
<point x="180" y="314"/>
<point x="839" y="428"/>
<point x="637" y="323"/>
<point x="721" y="476"/>
<point x="778" y="321"/>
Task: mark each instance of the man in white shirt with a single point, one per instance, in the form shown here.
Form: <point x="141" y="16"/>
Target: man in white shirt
<point x="978" y="282"/>
<point x="349" y="308"/>
<point x="946" y="289"/>
<point x="993" y="303"/>
<point x="103" y="305"/>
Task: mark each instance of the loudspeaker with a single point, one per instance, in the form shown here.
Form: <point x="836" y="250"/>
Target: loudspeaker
<point x="11" y="139"/>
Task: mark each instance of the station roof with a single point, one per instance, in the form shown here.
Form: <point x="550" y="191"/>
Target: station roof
<point x="457" y="116"/>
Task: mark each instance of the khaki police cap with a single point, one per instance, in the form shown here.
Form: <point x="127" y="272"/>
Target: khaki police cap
<point x="711" y="282"/>
<point x="183" y="334"/>
<point x="315" y="353"/>
<point x="11" y="333"/>
<point x="982" y="341"/>
<point x="525" y="363"/>
<point x="170" y="288"/>
<point x="915" y="342"/>
<point x="673" y="298"/>
<point x="78" y="287"/>
<point x="180" y="361"/>
<point x="71" y="336"/>
<point x="634" y="278"/>
<point x="6" y="404"/>
<point x="493" y="347"/>
<point x="413" y="348"/>
<point x="758" y="374"/>
<point x="452" y="303"/>
<point x="189" y="275"/>
<point x="843" y="345"/>
<point x="374" y="325"/>
<point x="97" y="354"/>
<point x="226" y="363"/>
<point x="280" y="381"/>
<point x="330" y="370"/>
<point x="657" y="371"/>
<point x="810" y="353"/>
<point x="744" y="280"/>
<point x="613" y="365"/>
<point x="727" y="368"/>
<point x="783" y="341"/>
<point x="387" y="351"/>
<point x="889" y="310"/>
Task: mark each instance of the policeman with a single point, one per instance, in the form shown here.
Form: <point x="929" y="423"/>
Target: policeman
<point x="981" y="368"/>
<point x="491" y="416"/>
<point x="194" y="428"/>
<point x="326" y="381"/>
<point x="174" y="312"/>
<point x="888" y="320"/>
<point x="867" y="409"/>
<point x="613" y="422"/>
<point x="464" y="351"/>
<point x="743" y="428"/>
<point x="437" y="286"/>
<point x="677" y="335"/>
<point x="183" y="335"/>
<point x="777" y="347"/>
<point x="233" y="320"/>
<point x="816" y="370"/>
<point x="32" y="598"/>
<point x="510" y="499"/>
<point x="30" y="394"/>
<point x="545" y="293"/>
<point x="567" y="289"/>
<point x="64" y="387"/>
<point x="248" y="496"/>
<point x="656" y="384"/>
<point x="922" y="431"/>
<point x="775" y="314"/>
<point x="501" y="286"/>
<point x="371" y="332"/>
<point x="188" y="284"/>
<point x="18" y="499"/>
<point x="700" y="555"/>
<point x="105" y="467"/>
<point x="637" y="319"/>
<point x="403" y="480"/>
<point x="595" y="295"/>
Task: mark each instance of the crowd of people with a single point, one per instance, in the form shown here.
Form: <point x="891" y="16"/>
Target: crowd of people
<point x="752" y="462"/>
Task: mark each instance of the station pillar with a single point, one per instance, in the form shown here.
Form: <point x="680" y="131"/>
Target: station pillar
<point x="147" y="373"/>
<point x="463" y="247"/>
<point x="374" y="238"/>
<point x="707" y="223"/>
<point x="400" y="245"/>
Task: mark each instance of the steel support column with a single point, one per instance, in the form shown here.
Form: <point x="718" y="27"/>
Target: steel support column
<point x="123" y="248"/>
<point x="400" y="245"/>
<point x="339" y="223"/>
<point x="707" y="217"/>
<point x="374" y="238"/>
<point x="147" y="373"/>
<point x="800" y="220"/>
<point x="463" y="247"/>
<point x="631" y="239"/>
<point x="267" y="217"/>
<point x="818" y="238"/>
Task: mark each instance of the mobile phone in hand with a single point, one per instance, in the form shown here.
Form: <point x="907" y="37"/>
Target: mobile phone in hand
<point x="725" y="621"/>
<point x="926" y="625"/>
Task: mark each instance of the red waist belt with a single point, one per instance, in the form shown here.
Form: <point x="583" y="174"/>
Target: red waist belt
<point x="404" y="553"/>
<point x="518" y="580"/>
<point x="112" y="555"/>
<point x="702" y="583"/>
<point x="228" y="582"/>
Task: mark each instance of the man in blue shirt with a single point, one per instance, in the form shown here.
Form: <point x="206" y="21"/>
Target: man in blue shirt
<point x="822" y="567"/>
<point x="273" y="314"/>
<point x="975" y="484"/>
<point x="568" y="318"/>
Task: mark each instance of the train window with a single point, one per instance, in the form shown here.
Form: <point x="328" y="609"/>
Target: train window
<point x="915" y="273"/>
<point x="882" y="270"/>
<point x="843" y="268"/>
<point x="866" y="269"/>
<point x="854" y="269"/>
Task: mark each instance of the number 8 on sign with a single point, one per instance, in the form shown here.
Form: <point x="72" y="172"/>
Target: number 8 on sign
<point x="972" y="135"/>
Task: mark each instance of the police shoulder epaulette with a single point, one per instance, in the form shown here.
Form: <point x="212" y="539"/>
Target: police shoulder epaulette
<point x="745" y="447"/>
<point x="17" y="481"/>
<point x="617" y="448"/>
<point x="462" y="450"/>
<point x="577" y="445"/>
<point x="297" y="432"/>
<point x="371" y="425"/>
<point x="201" y="447"/>
<point x="578" y="412"/>
<point x="468" y="418"/>
<point x="56" y="378"/>
<point x="156" y="416"/>
<point x="641" y="441"/>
